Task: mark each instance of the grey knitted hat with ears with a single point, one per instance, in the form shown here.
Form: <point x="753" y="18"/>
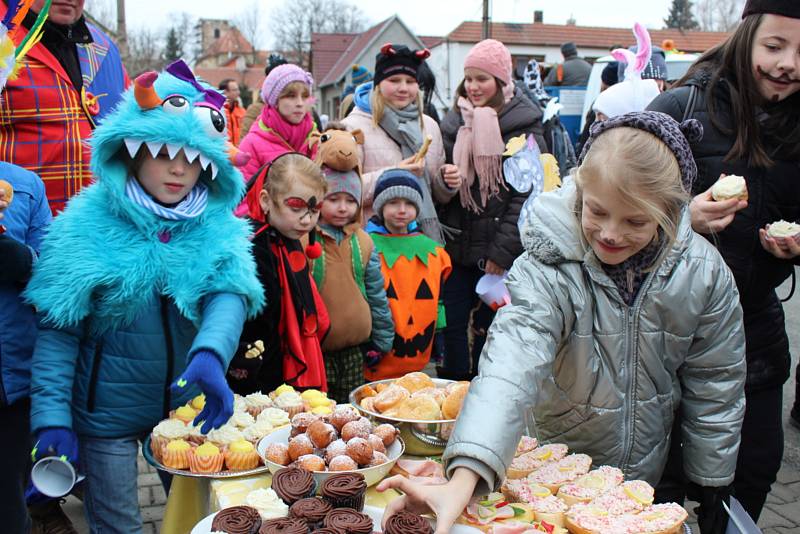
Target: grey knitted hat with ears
<point x="677" y="136"/>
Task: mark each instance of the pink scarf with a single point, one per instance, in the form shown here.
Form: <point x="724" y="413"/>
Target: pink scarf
<point x="294" y="135"/>
<point x="479" y="150"/>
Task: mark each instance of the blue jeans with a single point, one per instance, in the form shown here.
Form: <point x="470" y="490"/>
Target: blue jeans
<point x="460" y="300"/>
<point x="111" y="498"/>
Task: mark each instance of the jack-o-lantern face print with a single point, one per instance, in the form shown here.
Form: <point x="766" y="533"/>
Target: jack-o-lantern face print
<point x="413" y="293"/>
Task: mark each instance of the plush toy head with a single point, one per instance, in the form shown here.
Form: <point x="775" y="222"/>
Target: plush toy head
<point x="172" y="109"/>
<point x="338" y="149"/>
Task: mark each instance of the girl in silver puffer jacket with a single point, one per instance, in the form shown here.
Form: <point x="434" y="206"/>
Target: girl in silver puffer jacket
<point x="620" y="316"/>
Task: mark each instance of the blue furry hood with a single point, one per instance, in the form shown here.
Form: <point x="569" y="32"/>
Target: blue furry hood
<point x="184" y="120"/>
<point x="105" y="256"/>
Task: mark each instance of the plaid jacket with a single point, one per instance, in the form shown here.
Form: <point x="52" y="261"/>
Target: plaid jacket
<point x="45" y="122"/>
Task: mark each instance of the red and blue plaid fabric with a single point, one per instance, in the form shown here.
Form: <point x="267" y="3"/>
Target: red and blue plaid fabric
<point x="45" y="122"/>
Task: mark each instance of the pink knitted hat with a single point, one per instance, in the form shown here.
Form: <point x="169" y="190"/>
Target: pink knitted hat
<point x="493" y="57"/>
<point x="279" y="78"/>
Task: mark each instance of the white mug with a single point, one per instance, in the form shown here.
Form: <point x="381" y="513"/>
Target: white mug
<point x="54" y="477"/>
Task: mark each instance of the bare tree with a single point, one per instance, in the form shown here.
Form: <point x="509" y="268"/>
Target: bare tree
<point x="295" y="21"/>
<point x="719" y="15"/>
<point x="144" y="47"/>
<point x="103" y="12"/>
<point x="248" y="22"/>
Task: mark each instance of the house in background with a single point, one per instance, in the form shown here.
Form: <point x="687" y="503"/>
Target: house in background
<point x="543" y="42"/>
<point x="334" y="54"/>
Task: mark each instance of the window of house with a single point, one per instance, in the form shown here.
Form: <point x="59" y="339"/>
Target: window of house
<point x="216" y="33"/>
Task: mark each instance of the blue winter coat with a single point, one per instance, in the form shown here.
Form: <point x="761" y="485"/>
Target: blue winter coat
<point x="117" y="384"/>
<point x="25" y="220"/>
<point x="126" y="296"/>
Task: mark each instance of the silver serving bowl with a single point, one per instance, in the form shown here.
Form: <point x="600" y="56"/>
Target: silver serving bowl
<point x="424" y="438"/>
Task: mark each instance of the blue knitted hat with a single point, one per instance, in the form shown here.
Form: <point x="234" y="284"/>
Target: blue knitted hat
<point x="360" y="75"/>
<point x="396" y="183"/>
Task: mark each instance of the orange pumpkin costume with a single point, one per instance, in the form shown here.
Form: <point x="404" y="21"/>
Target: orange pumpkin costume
<point x="414" y="270"/>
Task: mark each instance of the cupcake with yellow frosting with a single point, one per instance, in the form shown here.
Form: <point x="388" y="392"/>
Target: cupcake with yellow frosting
<point x="184" y="413"/>
<point x="241" y="455"/>
<point x="198" y="403"/>
<point x="164" y="432"/>
<point x="206" y="458"/>
<point x="322" y="410"/>
<point x="175" y="454"/>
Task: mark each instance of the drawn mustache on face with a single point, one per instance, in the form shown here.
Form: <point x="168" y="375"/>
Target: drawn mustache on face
<point x="784" y="78"/>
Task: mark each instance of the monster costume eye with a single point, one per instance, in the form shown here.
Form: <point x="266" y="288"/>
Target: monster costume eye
<point x="212" y="120"/>
<point x="175" y="104"/>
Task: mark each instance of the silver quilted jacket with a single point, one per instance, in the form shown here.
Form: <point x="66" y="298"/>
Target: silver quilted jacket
<point x="570" y="362"/>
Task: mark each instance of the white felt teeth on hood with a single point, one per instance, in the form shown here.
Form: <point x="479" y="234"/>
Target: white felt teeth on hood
<point x="214" y="170"/>
<point x="191" y="153"/>
<point x="204" y="162"/>
<point x="173" y="150"/>
<point x="133" y="146"/>
<point x="154" y="148"/>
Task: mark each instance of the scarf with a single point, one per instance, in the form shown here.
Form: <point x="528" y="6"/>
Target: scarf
<point x="190" y="207"/>
<point x="533" y="81"/>
<point x="294" y="135"/>
<point x="303" y="318"/>
<point x="479" y="151"/>
<point x="403" y="126"/>
<point x="629" y="275"/>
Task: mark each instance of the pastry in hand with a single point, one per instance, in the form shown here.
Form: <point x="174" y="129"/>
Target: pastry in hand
<point x="728" y="187"/>
<point x="781" y="230"/>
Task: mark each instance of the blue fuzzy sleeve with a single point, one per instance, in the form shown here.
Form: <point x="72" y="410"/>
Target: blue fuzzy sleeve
<point x="221" y="326"/>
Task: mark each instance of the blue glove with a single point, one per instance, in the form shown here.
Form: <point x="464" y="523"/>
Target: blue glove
<point x="56" y="441"/>
<point x="206" y="371"/>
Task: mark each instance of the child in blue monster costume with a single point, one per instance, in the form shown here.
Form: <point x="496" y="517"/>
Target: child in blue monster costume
<point x="142" y="288"/>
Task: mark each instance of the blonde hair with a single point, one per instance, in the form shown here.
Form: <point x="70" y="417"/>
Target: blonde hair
<point x="293" y="87"/>
<point x="644" y="171"/>
<point x="378" y="104"/>
<point x="344" y="107"/>
<point x="290" y="168"/>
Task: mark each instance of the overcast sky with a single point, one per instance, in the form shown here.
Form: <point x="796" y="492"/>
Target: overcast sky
<point x="426" y="17"/>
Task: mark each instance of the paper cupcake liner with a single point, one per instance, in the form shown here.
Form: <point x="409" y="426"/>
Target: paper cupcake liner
<point x="356" y="502"/>
<point x="175" y="459"/>
<point x="255" y="410"/>
<point x="242" y="461"/>
<point x="293" y="410"/>
<point x="206" y="464"/>
<point x="157" y="444"/>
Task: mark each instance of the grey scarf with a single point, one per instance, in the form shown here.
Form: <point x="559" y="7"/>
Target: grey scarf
<point x="403" y="126"/>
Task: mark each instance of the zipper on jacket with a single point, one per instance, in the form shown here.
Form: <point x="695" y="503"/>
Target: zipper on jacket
<point x="98" y="355"/>
<point x="170" y="354"/>
<point x="632" y="360"/>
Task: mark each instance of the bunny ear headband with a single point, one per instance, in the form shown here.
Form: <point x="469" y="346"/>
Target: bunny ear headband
<point x="636" y="63"/>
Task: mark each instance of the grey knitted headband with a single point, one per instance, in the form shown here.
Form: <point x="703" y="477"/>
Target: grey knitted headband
<point x="676" y="136"/>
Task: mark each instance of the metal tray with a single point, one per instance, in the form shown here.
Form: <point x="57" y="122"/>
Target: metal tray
<point x="148" y="455"/>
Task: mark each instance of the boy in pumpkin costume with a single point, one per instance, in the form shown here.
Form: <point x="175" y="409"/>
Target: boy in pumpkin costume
<point x="414" y="270"/>
<point x="348" y="273"/>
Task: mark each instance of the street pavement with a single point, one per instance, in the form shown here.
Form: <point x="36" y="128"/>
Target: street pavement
<point x="781" y="514"/>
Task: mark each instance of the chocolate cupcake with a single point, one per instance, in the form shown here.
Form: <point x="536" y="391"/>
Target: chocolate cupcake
<point x="349" y="521"/>
<point x="292" y="484"/>
<point x="284" y="525"/>
<point x="313" y="510"/>
<point x="404" y="522"/>
<point x="324" y="530"/>
<point x="345" y="490"/>
<point x="237" y="520"/>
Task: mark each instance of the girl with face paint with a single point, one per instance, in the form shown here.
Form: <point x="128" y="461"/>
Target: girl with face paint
<point x="746" y="93"/>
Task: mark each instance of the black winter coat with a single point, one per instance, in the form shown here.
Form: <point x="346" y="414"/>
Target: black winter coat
<point x="491" y="234"/>
<point x="774" y="194"/>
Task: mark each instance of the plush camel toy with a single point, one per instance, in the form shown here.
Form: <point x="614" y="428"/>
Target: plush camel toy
<point x="338" y="148"/>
